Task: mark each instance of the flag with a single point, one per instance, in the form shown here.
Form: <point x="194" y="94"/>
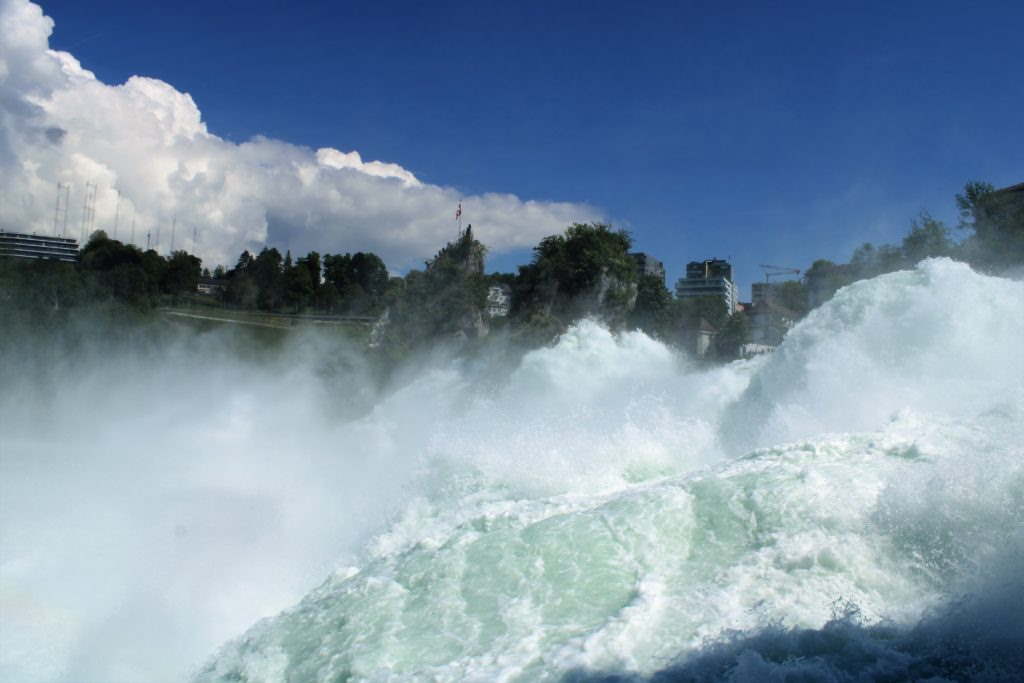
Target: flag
<point x="458" y="211"/>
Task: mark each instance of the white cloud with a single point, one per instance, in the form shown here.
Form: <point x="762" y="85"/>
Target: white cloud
<point x="146" y="142"/>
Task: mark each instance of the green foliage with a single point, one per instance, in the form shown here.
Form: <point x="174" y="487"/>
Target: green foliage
<point x="181" y="274"/>
<point x="268" y="271"/>
<point x="652" y="310"/>
<point x="997" y="221"/>
<point x="689" y="311"/>
<point x="585" y="271"/>
<point x="578" y="258"/>
<point x="351" y="284"/>
<point x="444" y="302"/>
<point x="109" y="275"/>
<point x="972" y="205"/>
<point x="995" y="218"/>
<point x="242" y="290"/>
<point x="791" y="295"/>
<point x="735" y="332"/>
<point x="465" y="254"/>
<point x="43" y="287"/>
<point x="359" y="282"/>
<point x="868" y="261"/>
<point x="927" y="238"/>
<point x="824" y="277"/>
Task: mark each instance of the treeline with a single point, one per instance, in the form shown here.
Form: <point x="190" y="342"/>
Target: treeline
<point x="588" y="270"/>
<point x="992" y="225"/>
<point x="108" y="271"/>
<point x="350" y="284"/>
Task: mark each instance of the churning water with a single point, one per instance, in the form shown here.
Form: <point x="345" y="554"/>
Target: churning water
<point x="850" y="507"/>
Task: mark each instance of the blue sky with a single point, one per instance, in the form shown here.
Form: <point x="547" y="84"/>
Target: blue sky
<point x="765" y="134"/>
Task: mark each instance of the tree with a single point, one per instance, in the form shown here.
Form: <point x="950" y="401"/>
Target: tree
<point x="360" y="281"/>
<point x="370" y="273"/>
<point x="651" y="311"/>
<point x="972" y="205"/>
<point x="578" y="258"/>
<point x="301" y="281"/>
<point x="586" y="270"/>
<point x="155" y="265"/>
<point x="732" y="336"/>
<point x="690" y="310"/>
<point x="242" y="290"/>
<point x="823" y="278"/>
<point x="444" y="302"/>
<point x="245" y="261"/>
<point x="927" y="238"/>
<point x="997" y="220"/>
<point x="791" y="295"/>
<point x="182" y="273"/>
<point x="267" y="271"/>
<point x="864" y="261"/>
<point x="123" y="271"/>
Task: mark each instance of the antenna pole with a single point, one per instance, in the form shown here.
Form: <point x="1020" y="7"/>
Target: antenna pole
<point x="174" y="225"/>
<point x="117" y="212"/>
<point x="86" y="208"/>
<point x="56" y="209"/>
<point x="67" y="202"/>
<point x="92" y="209"/>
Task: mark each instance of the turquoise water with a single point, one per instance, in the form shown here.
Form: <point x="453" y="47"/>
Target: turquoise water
<point x="849" y="507"/>
<point x="609" y="512"/>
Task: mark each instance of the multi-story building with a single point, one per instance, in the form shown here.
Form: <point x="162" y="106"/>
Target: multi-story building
<point x="762" y="292"/>
<point x="23" y="245"/>
<point x="648" y="265"/>
<point x="711" y="278"/>
<point x="769" y="318"/>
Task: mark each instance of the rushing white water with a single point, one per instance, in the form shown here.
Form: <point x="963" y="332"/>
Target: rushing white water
<point x="605" y="509"/>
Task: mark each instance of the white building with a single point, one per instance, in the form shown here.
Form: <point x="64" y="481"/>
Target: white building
<point x="499" y="301"/>
<point x="709" y="278"/>
<point x="23" y="245"/>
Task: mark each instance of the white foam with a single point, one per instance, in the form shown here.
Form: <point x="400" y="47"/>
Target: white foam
<point x="603" y="507"/>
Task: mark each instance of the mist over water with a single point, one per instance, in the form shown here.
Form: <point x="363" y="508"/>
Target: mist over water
<point x="602" y="508"/>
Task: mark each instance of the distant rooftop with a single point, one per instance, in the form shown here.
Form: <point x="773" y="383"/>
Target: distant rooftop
<point x="24" y="245"/>
<point x="1019" y="187"/>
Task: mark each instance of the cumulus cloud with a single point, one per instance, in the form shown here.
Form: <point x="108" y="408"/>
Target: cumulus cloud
<point x="155" y="165"/>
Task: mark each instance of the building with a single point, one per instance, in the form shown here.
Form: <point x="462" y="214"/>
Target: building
<point x="710" y="278"/>
<point x="769" y="323"/>
<point x="698" y="338"/>
<point x="999" y="224"/>
<point x="648" y="265"/>
<point x="211" y="286"/>
<point x="22" y="245"/>
<point x="1006" y="199"/>
<point x="499" y="301"/>
<point x="769" y="318"/>
<point x="762" y="292"/>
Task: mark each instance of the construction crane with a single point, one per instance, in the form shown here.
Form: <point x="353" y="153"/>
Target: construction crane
<point x="777" y="271"/>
